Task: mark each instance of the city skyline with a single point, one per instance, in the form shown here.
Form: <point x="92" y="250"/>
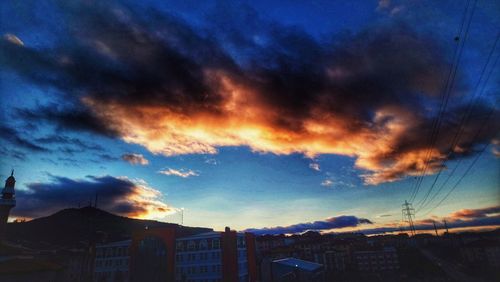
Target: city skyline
<point x="315" y="117"/>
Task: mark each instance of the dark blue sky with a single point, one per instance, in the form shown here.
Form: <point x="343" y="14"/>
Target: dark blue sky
<point x="247" y="114"/>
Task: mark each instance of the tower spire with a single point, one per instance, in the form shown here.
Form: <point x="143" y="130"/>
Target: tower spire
<point x="7" y="202"/>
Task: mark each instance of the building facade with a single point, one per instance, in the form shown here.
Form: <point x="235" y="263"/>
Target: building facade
<point x="112" y="262"/>
<point x="377" y="260"/>
<point x="7" y="202"/>
<point x="205" y="257"/>
<point x="157" y="254"/>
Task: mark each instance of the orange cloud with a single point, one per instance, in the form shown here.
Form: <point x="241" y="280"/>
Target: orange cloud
<point x="475" y="213"/>
<point x="243" y="120"/>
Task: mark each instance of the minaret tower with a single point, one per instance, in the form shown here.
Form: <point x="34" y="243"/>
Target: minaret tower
<point x="7" y="202"/>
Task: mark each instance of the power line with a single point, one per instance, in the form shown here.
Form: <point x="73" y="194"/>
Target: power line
<point x="483" y="125"/>
<point x="442" y="111"/>
<point x="445" y="96"/>
<point x="461" y="126"/>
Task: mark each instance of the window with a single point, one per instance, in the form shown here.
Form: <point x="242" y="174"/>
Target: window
<point x="215" y="243"/>
<point x="191" y="245"/>
<point x="203" y="245"/>
<point x="180" y="246"/>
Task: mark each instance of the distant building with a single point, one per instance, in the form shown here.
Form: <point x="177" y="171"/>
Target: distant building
<point x="481" y="253"/>
<point x="29" y="270"/>
<point x="270" y="242"/>
<point x="335" y="261"/>
<point x="7" y="202"/>
<point x="296" y="270"/>
<point x="157" y="254"/>
<point x="112" y="262"/>
<point x="377" y="259"/>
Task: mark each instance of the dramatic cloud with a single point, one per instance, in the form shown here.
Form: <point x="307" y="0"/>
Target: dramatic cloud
<point x="118" y="195"/>
<point x="175" y="90"/>
<point x="184" y="173"/>
<point x="135" y="159"/>
<point x="327" y="224"/>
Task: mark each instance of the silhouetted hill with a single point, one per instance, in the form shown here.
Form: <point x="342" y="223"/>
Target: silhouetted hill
<point x="74" y="227"/>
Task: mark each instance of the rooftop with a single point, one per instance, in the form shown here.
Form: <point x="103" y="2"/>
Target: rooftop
<point x="302" y="264"/>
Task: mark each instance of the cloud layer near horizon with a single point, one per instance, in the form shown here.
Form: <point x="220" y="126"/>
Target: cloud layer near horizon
<point x="174" y="89"/>
<point x="465" y="218"/>
<point x="320" y="225"/>
<point x="118" y="195"/>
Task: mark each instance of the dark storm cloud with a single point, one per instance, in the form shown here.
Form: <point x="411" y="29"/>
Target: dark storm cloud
<point x="12" y="136"/>
<point x="157" y="80"/>
<point x="78" y="119"/>
<point x="327" y="224"/>
<point x="117" y="195"/>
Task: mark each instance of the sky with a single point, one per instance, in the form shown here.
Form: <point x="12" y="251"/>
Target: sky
<point x="268" y="116"/>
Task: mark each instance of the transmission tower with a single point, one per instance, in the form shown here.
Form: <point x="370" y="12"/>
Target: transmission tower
<point x="408" y="213"/>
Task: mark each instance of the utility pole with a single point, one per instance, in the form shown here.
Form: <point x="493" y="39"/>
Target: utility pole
<point x="435" y="229"/>
<point x="95" y="202"/>
<point x="446" y="226"/>
<point x="408" y="213"/>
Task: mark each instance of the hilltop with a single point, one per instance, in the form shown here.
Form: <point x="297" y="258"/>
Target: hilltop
<point x="74" y="227"/>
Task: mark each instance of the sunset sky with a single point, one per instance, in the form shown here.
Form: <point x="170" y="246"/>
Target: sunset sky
<point x="273" y="117"/>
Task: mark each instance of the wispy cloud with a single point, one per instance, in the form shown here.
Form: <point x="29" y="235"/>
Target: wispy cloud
<point x="184" y="173"/>
<point x="15" y="138"/>
<point x="13" y="39"/>
<point x="464" y="218"/>
<point x="135" y="159"/>
<point x="211" y="161"/>
<point x="327" y="183"/>
<point x="315" y="166"/>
